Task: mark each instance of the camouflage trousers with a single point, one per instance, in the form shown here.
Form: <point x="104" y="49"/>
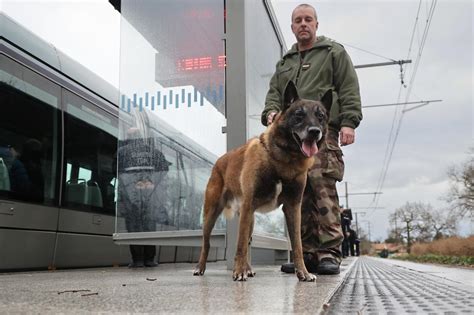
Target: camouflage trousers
<point x="321" y="230"/>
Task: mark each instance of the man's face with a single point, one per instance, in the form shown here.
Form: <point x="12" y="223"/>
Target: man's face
<point x="304" y="24"/>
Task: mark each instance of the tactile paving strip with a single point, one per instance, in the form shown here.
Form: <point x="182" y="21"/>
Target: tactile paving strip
<point x="373" y="287"/>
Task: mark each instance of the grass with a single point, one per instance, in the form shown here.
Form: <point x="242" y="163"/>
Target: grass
<point x="466" y="261"/>
<point x="451" y="251"/>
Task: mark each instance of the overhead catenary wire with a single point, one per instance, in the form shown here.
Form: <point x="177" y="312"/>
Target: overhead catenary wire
<point x="415" y="69"/>
<point x="396" y="112"/>
<point x="392" y="143"/>
<point x="366" y="51"/>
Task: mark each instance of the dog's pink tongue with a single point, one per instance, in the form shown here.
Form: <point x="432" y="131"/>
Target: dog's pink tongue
<point x="310" y="148"/>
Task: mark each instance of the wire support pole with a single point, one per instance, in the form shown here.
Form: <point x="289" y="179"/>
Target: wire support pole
<point x="364" y="193"/>
<point x="422" y="103"/>
<point x="381" y="64"/>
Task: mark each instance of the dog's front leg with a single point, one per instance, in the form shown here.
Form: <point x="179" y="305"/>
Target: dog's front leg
<point x="293" y="221"/>
<point x="242" y="268"/>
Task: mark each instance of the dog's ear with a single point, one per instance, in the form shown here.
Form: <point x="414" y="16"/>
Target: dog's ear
<point x="327" y="100"/>
<point x="290" y="95"/>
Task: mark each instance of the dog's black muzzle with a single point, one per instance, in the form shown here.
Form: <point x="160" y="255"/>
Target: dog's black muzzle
<point x="314" y="134"/>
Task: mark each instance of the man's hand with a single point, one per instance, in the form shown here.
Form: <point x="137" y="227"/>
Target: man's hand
<point x="270" y="117"/>
<point x="347" y="135"/>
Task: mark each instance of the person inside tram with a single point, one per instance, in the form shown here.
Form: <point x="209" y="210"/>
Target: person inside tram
<point x="6" y="159"/>
<point x="31" y="156"/>
<point x="141" y="168"/>
<point x="25" y="177"/>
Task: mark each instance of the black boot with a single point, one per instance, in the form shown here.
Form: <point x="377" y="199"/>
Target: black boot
<point x="328" y="266"/>
<point x="137" y="256"/>
<point x="288" y="268"/>
<point x="311" y="266"/>
<point x="149" y="253"/>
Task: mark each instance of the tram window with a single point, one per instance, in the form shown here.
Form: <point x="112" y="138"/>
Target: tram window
<point x="29" y="133"/>
<point x="189" y="196"/>
<point x="171" y="188"/>
<point x="90" y="148"/>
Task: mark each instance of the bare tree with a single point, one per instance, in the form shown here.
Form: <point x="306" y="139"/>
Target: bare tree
<point x="416" y="221"/>
<point x="409" y="217"/>
<point x="395" y="235"/>
<point x="437" y="223"/>
<point x="461" y="193"/>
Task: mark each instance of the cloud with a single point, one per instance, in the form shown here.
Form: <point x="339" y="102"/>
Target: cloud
<point x="430" y="138"/>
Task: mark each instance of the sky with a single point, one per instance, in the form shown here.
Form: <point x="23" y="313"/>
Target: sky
<point x="430" y="138"/>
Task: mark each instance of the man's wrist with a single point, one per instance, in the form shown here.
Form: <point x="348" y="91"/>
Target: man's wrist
<point x="271" y="115"/>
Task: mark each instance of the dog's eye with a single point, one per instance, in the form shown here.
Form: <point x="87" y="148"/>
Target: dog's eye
<point x="320" y="115"/>
<point x="299" y="115"/>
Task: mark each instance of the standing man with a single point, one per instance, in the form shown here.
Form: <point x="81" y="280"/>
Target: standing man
<point x="354" y="243"/>
<point x="345" y="225"/>
<point x="317" y="64"/>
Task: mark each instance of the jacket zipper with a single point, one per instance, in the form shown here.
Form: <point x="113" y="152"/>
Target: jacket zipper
<point x="299" y="70"/>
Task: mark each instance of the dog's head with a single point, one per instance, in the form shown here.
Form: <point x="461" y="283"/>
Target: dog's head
<point x="304" y="121"/>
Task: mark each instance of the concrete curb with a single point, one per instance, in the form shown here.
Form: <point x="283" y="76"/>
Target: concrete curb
<point x="324" y="308"/>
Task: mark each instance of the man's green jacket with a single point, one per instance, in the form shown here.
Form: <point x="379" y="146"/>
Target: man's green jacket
<point x="324" y="66"/>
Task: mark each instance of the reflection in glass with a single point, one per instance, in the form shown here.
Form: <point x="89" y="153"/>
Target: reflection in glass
<point x="260" y="66"/>
<point x="172" y="105"/>
<point x="161" y="180"/>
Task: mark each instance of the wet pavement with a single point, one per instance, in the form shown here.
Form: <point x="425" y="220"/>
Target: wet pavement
<point x="169" y="288"/>
<point x="365" y="286"/>
<point x="384" y="286"/>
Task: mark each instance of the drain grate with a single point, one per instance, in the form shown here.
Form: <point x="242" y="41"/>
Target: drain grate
<point x="373" y="287"/>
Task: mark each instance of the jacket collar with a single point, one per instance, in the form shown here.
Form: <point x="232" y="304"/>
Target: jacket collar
<point x="322" y="42"/>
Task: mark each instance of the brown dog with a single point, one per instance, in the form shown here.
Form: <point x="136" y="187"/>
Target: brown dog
<point x="264" y="173"/>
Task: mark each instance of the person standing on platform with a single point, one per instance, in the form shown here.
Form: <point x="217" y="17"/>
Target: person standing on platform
<point x="317" y="64"/>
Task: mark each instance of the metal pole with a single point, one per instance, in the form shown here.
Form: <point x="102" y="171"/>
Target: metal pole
<point x="347" y="196"/>
<point x="236" y="100"/>
<point x="365" y="193"/>
<point x="357" y="224"/>
<point x="369" y="230"/>
<point x="390" y="63"/>
<point x="422" y="103"/>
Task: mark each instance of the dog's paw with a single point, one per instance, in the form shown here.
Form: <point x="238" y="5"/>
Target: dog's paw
<point x="242" y="274"/>
<point x="199" y="270"/>
<point x="250" y="272"/>
<point x="305" y="276"/>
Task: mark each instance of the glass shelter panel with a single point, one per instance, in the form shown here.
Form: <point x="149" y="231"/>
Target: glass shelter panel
<point x="172" y="112"/>
<point x="261" y="61"/>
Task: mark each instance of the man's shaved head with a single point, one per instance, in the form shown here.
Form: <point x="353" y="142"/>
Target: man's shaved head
<point x="304" y="5"/>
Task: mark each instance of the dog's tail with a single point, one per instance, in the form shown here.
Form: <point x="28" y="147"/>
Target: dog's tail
<point x="213" y="203"/>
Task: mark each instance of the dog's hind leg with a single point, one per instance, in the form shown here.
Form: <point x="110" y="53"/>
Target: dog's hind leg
<point x="213" y="207"/>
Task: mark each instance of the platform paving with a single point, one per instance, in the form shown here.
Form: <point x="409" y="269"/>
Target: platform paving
<point x="383" y="286"/>
<point x="167" y="289"/>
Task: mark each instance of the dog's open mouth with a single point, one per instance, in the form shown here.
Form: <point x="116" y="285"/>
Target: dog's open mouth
<point x="308" y="146"/>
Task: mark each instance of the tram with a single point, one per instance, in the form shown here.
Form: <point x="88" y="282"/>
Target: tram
<point x="59" y="125"/>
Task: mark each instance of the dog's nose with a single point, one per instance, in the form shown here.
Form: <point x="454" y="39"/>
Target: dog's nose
<point x="314" y="132"/>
